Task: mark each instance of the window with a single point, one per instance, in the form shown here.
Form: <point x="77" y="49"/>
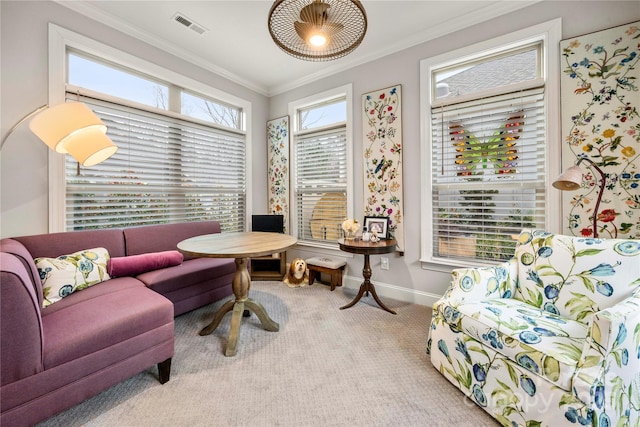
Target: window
<point x="321" y="166"/>
<point x="102" y="77"/>
<point x="181" y="153"/>
<point x="209" y="110"/>
<point x="487" y="146"/>
<point x="98" y="76"/>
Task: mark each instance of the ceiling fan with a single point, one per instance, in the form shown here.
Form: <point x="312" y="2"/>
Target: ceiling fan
<point x="317" y="30"/>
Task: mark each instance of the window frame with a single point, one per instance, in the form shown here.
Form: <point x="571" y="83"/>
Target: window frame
<point x="294" y="107"/>
<point x="549" y="33"/>
<point x="60" y="41"/>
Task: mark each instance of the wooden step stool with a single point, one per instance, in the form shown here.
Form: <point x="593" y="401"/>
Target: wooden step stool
<point x="318" y="265"/>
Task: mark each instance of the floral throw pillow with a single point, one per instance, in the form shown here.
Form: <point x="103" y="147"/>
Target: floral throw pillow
<point x="66" y="274"/>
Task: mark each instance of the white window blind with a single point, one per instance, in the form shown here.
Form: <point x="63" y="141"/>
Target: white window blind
<point x="166" y="169"/>
<point x="321" y="184"/>
<point x="488" y="174"/>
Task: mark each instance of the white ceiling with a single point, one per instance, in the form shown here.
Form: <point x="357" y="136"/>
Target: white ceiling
<point x="237" y="44"/>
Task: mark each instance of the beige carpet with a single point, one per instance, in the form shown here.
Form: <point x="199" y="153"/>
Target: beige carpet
<point x="325" y="367"/>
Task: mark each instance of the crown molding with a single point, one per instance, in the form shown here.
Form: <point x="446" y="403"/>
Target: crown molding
<point x="499" y="8"/>
<point x="85" y="8"/>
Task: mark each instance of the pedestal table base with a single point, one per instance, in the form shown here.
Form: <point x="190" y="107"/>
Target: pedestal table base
<point x="241" y="283"/>
<point x="367" y="287"/>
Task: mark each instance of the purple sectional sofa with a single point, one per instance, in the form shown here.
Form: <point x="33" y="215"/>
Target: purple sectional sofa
<point x="55" y="357"/>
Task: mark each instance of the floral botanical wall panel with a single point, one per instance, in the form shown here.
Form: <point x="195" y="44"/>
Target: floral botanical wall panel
<point x="382" y="146"/>
<point x="600" y="97"/>
<point x="278" y="167"/>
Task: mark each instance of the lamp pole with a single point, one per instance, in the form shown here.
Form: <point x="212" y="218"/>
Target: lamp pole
<point x="22" y="120"/>
<point x="602" y="182"/>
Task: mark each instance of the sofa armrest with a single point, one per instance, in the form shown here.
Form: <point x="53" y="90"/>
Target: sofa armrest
<point x="472" y="284"/>
<point x="608" y="374"/>
<point x="21" y="333"/>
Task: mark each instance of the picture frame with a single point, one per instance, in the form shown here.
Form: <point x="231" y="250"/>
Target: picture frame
<point x="587" y="72"/>
<point x="382" y="157"/>
<point x="379" y="223"/>
<point x="278" y="168"/>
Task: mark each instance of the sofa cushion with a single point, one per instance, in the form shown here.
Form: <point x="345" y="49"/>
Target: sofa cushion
<point x="102" y="316"/>
<point x="165" y="237"/>
<point x="112" y="286"/>
<point x="55" y="244"/>
<point x="575" y="277"/>
<point x="137" y="264"/>
<point x="543" y="343"/>
<point x="188" y="274"/>
<point x="66" y="274"/>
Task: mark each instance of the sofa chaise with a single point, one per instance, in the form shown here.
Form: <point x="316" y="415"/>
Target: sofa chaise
<point x="549" y="338"/>
<point x="57" y="354"/>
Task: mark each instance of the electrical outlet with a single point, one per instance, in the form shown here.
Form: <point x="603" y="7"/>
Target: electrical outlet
<point x="384" y="263"/>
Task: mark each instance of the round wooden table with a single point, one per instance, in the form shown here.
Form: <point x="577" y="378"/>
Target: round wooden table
<point x="367" y="249"/>
<point x="241" y="246"/>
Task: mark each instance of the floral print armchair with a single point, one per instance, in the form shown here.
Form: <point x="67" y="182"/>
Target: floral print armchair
<point x="548" y="338"/>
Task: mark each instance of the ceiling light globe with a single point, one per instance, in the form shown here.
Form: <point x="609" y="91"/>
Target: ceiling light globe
<point x="318" y="40"/>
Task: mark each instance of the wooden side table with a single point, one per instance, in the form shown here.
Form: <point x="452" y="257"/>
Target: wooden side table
<point x="367" y="249"/>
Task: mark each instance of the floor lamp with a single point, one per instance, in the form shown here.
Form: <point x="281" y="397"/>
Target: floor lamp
<point x="70" y="128"/>
<point x="571" y="180"/>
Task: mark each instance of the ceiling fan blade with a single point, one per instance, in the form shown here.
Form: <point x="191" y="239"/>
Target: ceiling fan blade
<point x="303" y="29"/>
<point x="315" y="13"/>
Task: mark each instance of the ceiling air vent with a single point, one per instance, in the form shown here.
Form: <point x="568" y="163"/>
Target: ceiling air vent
<point x="180" y="18"/>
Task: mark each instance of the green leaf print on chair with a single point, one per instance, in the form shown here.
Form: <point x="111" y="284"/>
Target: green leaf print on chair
<point x="550" y="337"/>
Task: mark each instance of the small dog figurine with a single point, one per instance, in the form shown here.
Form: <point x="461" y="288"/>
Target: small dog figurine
<point x="297" y="275"/>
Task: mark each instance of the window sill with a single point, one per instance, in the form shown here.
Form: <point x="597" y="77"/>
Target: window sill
<point x="445" y="265"/>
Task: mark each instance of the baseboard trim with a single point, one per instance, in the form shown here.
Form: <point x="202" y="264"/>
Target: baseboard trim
<point x="395" y="292"/>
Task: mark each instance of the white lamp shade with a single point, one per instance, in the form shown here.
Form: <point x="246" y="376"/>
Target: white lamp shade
<point x="90" y="147"/>
<point x="570" y="180"/>
<point x="56" y="125"/>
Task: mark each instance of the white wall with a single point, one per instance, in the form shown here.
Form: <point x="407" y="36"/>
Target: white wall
<point x="406" y="278"/>
<point x="23" y="174"/>
<point x="24" y="183"/>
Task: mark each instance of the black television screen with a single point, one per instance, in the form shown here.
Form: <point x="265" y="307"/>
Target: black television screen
<point x="271" y="223"/>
